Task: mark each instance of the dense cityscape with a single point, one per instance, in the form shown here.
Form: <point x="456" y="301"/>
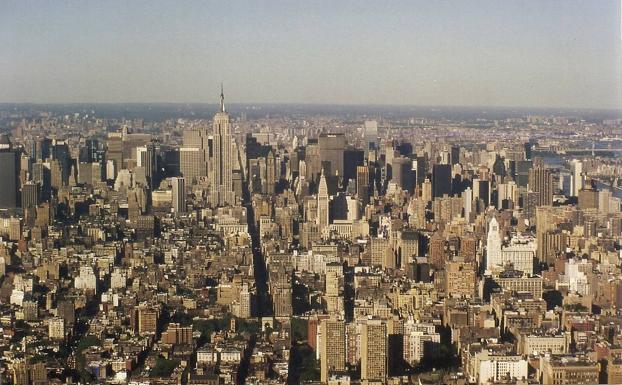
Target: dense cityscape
<point x="277" y="245"/>
<point x="269" y="192"/>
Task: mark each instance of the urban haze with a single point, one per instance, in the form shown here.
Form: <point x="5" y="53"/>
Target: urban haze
<point x="287" y="192"/>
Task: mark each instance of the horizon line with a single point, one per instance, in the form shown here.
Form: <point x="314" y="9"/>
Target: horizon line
<point x="383" y="105"/>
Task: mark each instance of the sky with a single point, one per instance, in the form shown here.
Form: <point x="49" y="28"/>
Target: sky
<point x="510" y="53"/>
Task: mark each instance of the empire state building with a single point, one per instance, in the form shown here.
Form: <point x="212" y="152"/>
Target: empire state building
<point x="222" y="193"/>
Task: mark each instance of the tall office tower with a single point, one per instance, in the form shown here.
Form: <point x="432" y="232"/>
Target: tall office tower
<point x="179" y="194"/>
<point x="498" y="168"/>
<point x="333" y="348"/>
<point x="30" y="195"/>
<point x="322" y="203"/>
<point x="270" y="181"/>
<point x="362" y="184"/>
<point x="577" y="177"/>
<point x="41" y="174"/>
<point x="522" y="172"/>
<point x="56" y="174"/>
<point x="25" y="168"/>
<point x="140" y="155"/>
<point x="441" y="180"/>
<point x="9" y="174"/>
<point x="43" y="149"/>
<point x="199" y="138"/>
<point x="62" y="155"/>
<point x="455" y="155"/>
<point x="114" y="151"/>
<point x="370" y="135"/>
<point x="147" y="160"/>
<point x="421" y="167"/>
<point x="170" y="161"/>
<point x="403" y="174"/>
<point x="332" y="147"/>
<point x="89" y="152"/>
<point x="468" y="202"/>
<point x="493" y="245"/>
<point x="90" y="173"/>
<point x="426" y="190"/>
<point x="541" y="182"/>
<point x="374" y="351"/>
<point x="352" y="158"/>
<point x="221" y="175"/>
<point x="482" y="190"/>
<point x="191" y="164"/>
<point x="194" y="137"/>
<point x="312" y="160"/>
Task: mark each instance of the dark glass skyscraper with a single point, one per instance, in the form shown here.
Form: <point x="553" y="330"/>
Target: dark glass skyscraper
<point x="455" y="155"/>
<point x="9" y="174"/>
<point x="441" y="180"/>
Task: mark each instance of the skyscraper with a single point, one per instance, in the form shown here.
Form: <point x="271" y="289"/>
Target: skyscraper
<point x="374" y="351"/>
<point x="9" y="174"/>
<point x="322" y="203"/>
<point x="270" y="174"/>
<point x="455" y="155"/>
<point x="333" y="354"/>
<point x="114" y="151"/>
<point x="362" y="184"/>
<point x="370" y="135"/>
<point x="191" y="163"/>
<point x="541" y="182"/>
<point x="403" y="174"/>
<point x="493" y="245"/>
<point x="577" y="177"/>
<point x="179" y="195"/>
<point x="441" y="180"/>
<point x="221" y="175"/>
<point x="146" y="158"/>
<point x="421" y="167"/>
<point x="30" y="194"/>
<point x="332" y="148"/>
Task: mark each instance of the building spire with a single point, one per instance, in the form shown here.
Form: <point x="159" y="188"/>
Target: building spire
<point x="222" y="98"/>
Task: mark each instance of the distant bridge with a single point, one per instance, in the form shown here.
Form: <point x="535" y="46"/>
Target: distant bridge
<point x="566" y="150"/>
<point x="607" y="184"/>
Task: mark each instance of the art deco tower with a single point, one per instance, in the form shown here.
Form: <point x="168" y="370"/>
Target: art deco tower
<point x="221" y="175"/>
<point x="322" y="203"/>
<point x="493" y="245"/>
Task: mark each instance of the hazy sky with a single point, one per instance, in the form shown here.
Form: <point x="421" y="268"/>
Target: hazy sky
<point x="541" y="53"/>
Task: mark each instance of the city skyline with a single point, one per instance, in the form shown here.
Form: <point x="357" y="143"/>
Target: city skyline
<point x="419" y="192"/>
<point x="519" y="54"/>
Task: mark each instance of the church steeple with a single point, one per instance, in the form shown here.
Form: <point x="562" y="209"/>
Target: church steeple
<point x="222" y="98"/>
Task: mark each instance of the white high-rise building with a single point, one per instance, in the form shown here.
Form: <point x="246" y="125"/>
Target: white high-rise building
<point x="221" y="175"/>
<point x="520" y="253"/>
<point x="139" y="155"/>
<point x="418" y="337"/>
<point x="577" y="177"/>
<point x="322" y="203"/>
<point x="493" y="245"/>
<point x="576" y="275"/>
